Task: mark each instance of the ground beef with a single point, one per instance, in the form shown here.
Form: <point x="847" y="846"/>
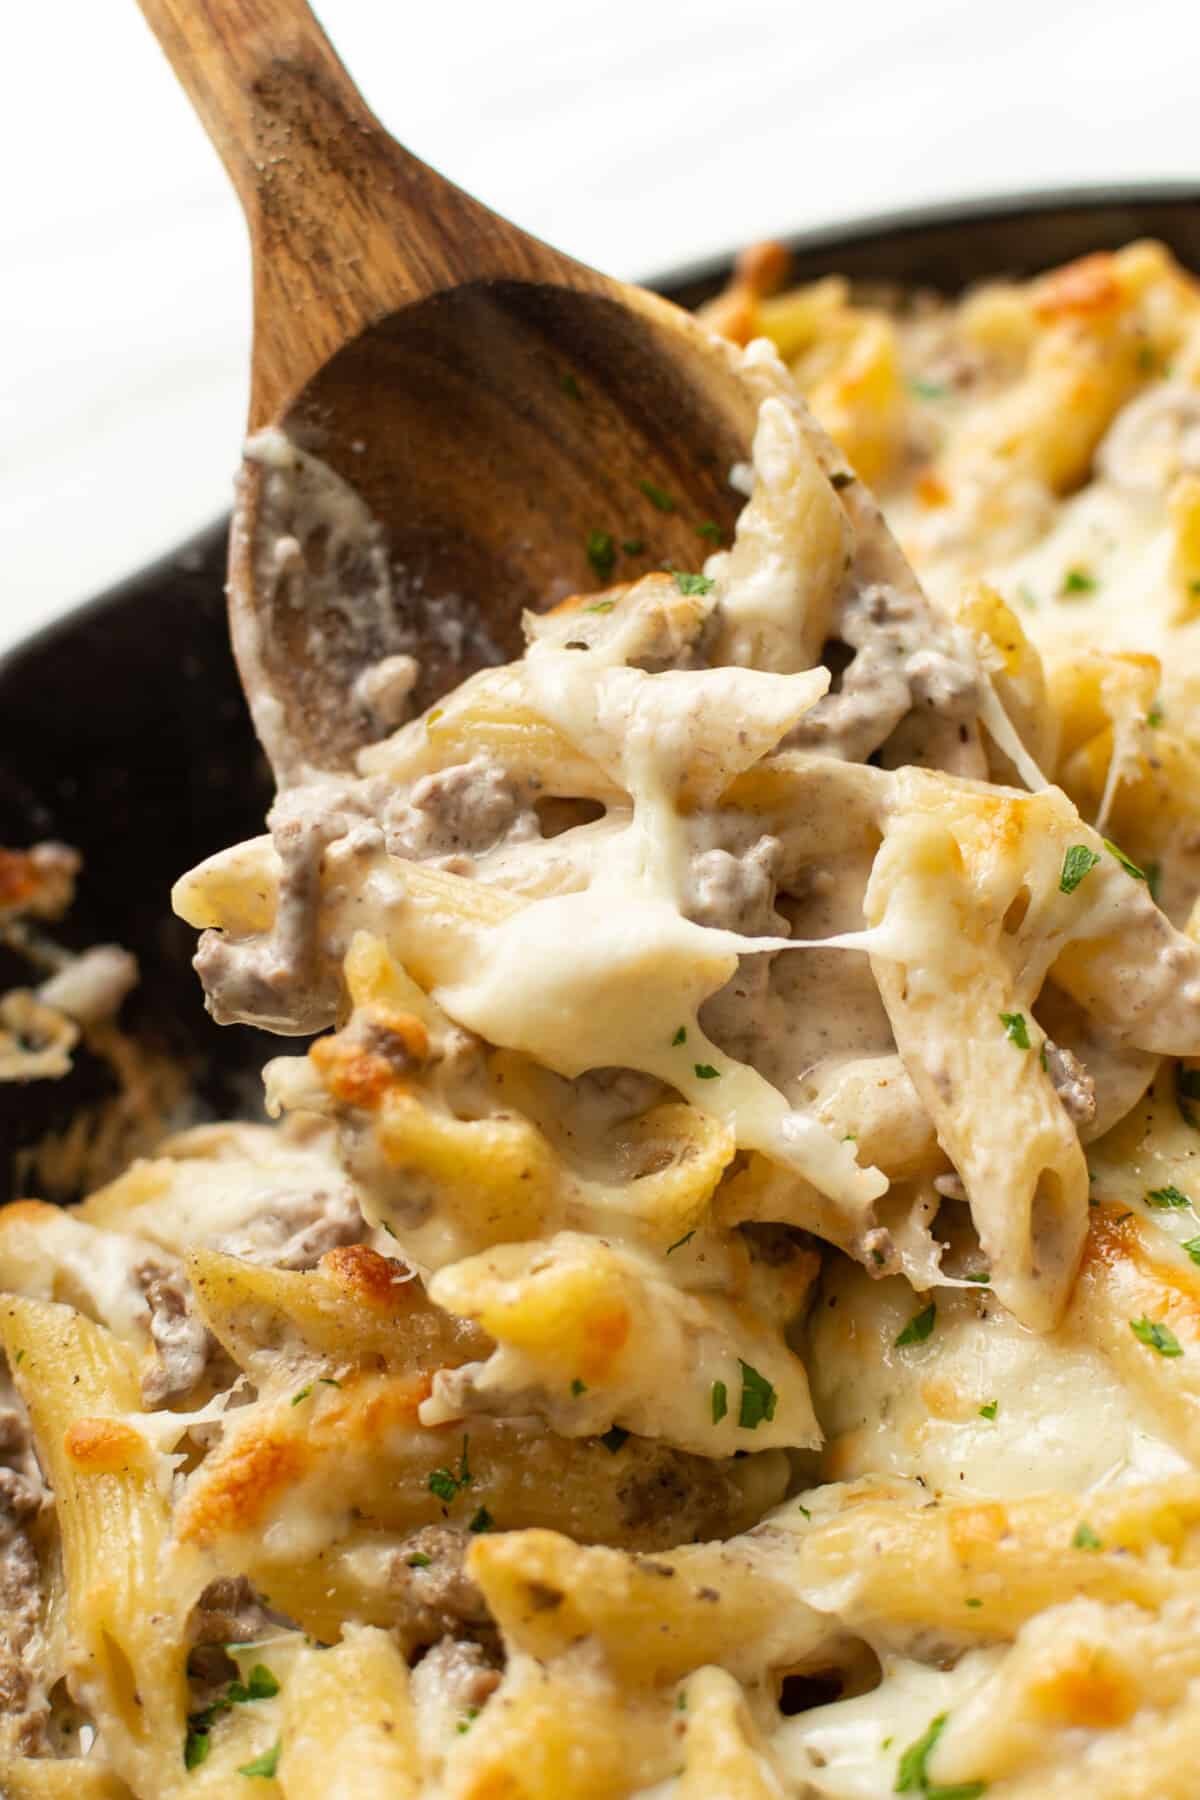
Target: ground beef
<point x="436" y="1598"/>
<point x="736" y="893"/>
<point x="24" y="1707"/>
<point x="1072" y="1083"/>
<point x="458" y="813"/>
<point x="184" y="1343"/>
<point x="295" y="1230"/>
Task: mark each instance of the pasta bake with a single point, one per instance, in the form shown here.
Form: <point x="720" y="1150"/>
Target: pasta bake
<point x="715" y="1314"/>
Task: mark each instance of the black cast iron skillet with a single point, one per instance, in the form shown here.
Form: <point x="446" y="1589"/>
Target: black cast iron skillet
<point x="122" y="727"/>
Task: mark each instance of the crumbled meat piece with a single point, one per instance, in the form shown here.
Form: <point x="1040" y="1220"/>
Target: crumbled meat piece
<point x="184" y="1343"/>
<point x="281" y="981"/>
<point x="736" y="893"/>
<point x="24" y="1707"/>
<point x="436" y="1598"/>
<point x="295" y="1230"/>
<point x="774" y="1244"/>
<point x="227" y="1612"/>
<point x="461" y="1674"/>
<point x="458" y="813"/>
<point x="1072" y="1083"/>
<point x="906" y="659"/>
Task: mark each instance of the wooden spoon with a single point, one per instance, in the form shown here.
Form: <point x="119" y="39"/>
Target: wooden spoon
<point x="520" y="426"/>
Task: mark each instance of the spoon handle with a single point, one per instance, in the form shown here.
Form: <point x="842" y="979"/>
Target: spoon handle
<point x="345" y="224"/>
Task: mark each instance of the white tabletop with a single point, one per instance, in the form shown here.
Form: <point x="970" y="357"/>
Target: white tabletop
<point x="635" y="133"/>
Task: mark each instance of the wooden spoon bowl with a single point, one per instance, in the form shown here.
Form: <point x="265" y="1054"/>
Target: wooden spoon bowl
<point x="519" y="426"/>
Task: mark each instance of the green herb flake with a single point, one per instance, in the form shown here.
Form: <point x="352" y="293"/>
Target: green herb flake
<point x="601" y="606"/>
<point x="928" y="390"/>
<point x="1155" y="716"/>
<point x="1129" y="867"/>
<point x="1194" y="586"/>
<point x="442" y="1483"/>
<point x="571" y="387"/>
<point x="658" y="497"/>
<point x="261" y="1684"/>
<point x="710" y="530"/>
<point x="1015" y="1029"/>
<point x="196" y="1746"/>
<point x="989" y="1409"/>
<point x="18" y="1359"/>
<point x="1154" y="880"/>
<point x="329" y="1381"/>
<point x="465" y="1723"/>
<point x="302" y="1395"/>
<point x="972" y="1601"/>
<point x="1166" y="1196"/>
<point x="1192" y="1246"/>
<point x="439" y="712"/>
<point x="613" y="1438"/>
<point x="842" y="478"/>
<point x="419" y="1560"/>
<point x="804" y="1510"/>
<point x="681" y="1701"/>
<point x="680" y="1242"/>
<point x="1160" y="1337"/>
<point x="1078" y="581"/>
<point x="912" y="1775"/>
<point x="1147" y="361"/>
<point x="918" y="1327"/>
<point x="264" y="1765"/>
<point x="483" y="1521"/>
<point x="1044" y="1060"/>
<point x="979" y="1276"/>
<point x="706" y="1072"/>
<point x="1079" y="861"/>
<point x="693" y="584"/>
<point x="601" y="553"/>
<point x="464" y="1473"/>
<point x="633" y="546"/>
<point x="680" y="1036"/>
<point x="578" y="1387"/>
<point x="1085" y="1538"/>
<point x="758" y="1398"/>
<point x="720" y="1401"/>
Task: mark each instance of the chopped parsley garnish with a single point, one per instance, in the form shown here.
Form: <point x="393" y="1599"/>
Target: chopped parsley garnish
<point x="706" y="1072"/>
<point x="601" y="552"/>
<point x="419" y="1560"/>
<point x="979" y="1275"/>
<point x="1085" y="1538"/>
<point x="680" y="1036"/>
<point x="264" y="1765"/>
<point x="693" y="584"/>
<point x="613" y="1438"/>
<point x="918" y="1327"/>
<point x="1079" y="861"/>
<point x="302" y="1395"/>
<point x="709" y="529"/>
<point x="443" y="1484"/>
<point x="720" y="1401"/>
<point x="1187" y="1087"/>
<point x="972" y="1601"/>
<point x="633" y="546"/>
<point x="912" y="1774"/>
<point x="1166" y="1196"/>
<point x="928" y="390"/>
<point x="483" y="1521"/>
<point x="989" y="1409"/>
<point x="658" y="497"/>
<point x="18" y="1359"/>
<point x="680" y="1242"/>
<point x="465" y="1723"/>
<point x="1044" y="1060"/>
<point x="1155" y="716"/>
<point x="260" y="1684"/>
<point x="328" y="1381"/>
<point x="1192" y="1246"/>
<point x="804" y="1510"/>
<point x="1160" y="1337"/>
<point x="681" y="1701"/>
<point x="1147" y="361"/>
<point x="758" y="1398"/>
<point x="1015" y="1029"/>
<point x="578" y="1387"/>
<point x="1078" y="581"/>
<point x="570" y="386"/>
<point x="1154" y="880"/>
<point x="439" y="712"/>
<point x="1130" y="868"/>
<point x="601" y="606"/>
<point x="842" y="478"/>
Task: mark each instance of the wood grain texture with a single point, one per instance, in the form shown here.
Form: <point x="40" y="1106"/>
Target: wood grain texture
<point x="493" y="402"/>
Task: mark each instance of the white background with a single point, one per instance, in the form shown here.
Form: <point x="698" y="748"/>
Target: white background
<point x="635" y="133"/>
